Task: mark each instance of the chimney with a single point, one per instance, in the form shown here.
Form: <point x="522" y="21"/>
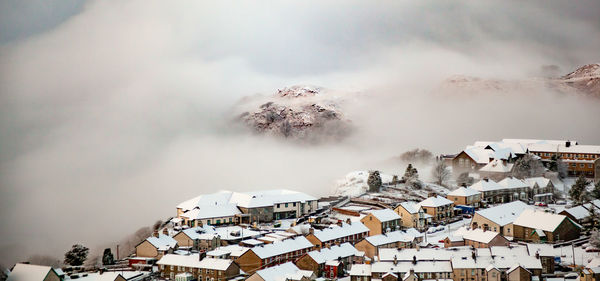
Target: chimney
<point x="414" y="261"/>
<point x="486" y="179"/>
<point x="537" y="254"/>
<point x="340" y="223"/>
<point x="165" y="231"/>
<point x="349" y="221"/>
<point x="155" y="233"/>
<point x="473" y="255"/>
<point x="395" y="260"/>
<point x="311" y="231"/>
<point x="568" y="144"/>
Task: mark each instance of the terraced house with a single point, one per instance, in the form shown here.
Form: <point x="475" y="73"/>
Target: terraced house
<point x="206" y="269"/>
<point x="338" y="234"/>
<point x="438" y="207"/>
<point x="381" y="221"/>
<point x="412" y="215"/>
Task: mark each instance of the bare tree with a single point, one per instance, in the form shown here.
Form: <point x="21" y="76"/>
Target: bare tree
<point x="440" y="172"/>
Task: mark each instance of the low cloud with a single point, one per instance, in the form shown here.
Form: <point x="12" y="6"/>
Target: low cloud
<point x="121" y="111"/>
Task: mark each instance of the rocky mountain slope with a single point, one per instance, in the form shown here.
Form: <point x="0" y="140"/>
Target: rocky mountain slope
<point x="584" y="81"/>
<point x="298" y="112"/>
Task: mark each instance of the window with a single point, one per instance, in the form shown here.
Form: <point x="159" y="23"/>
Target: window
<point x="294" y="204"/>
<point x="581" y="165"/>
<point x="590" y="166"/>
<point x="278" y="205"/>
<point x="286" y="205"/>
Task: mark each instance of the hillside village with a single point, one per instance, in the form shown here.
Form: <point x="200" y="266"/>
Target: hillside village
<point x="494" y="216"/>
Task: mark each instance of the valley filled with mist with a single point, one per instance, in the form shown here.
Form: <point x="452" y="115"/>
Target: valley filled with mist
<point x="121" y="110"/>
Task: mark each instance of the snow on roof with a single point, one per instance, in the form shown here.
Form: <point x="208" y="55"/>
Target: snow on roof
<point x="414" y="232"/>
<point x="197" y="232"/>
<point x="579" y="212"/>
<point x="512" y="182"/>
<point x="254" y="199"/>
<point x="360" y="270"/>
<point x="423" y="254"/>
<point x="162" y="242"/>
<point x="479" y="154"/>
<point x="504" y="214"/>
<point x="535" y="141"/>
<point x="515" y="266"/>
<point x="333" y="253"/>
<point x="208" y="211"/>
<point x="28" y="272"/>
<point x="486" y="185"/>
<point x="545" y="250"/>
<point x="194" y="261"/>
<point x="406" y="266"/>
<point x="384" y="215"/>
<point x="282" y="272"/>
<point x="335" y="232"/>
<point x="436" y="201"/>
<point x="410" y="207"/>
<point x="282" y="247"/>
<point x="390" y="237"/>
<point x="477" y="234"/>
<point x="218" y="198"/>
<point x="253" y="242"/>
<point x="540" y="181"/>
<point x="539" y="220"/>
<point x="232" y="250"/>
<point x="497" y="166"/>
<point x="464" y="191"/>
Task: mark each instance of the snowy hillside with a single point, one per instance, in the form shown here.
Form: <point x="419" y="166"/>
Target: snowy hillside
<point x="585" y="80"/>
<point x="355" y="184"/>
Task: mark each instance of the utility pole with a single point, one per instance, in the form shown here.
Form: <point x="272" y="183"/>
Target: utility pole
<point x="573" y="249"/>
<point x="117" y="251"/>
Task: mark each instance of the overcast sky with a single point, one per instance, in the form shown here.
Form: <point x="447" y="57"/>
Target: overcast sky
<point x="112" y="112"/>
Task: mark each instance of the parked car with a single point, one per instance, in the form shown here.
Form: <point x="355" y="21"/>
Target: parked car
<point x="561" y="202"/>
<point x="541" y="204"/>
<point x="572" y="275"/>
<point x="592" y="250"/>
<point x="466" y="216"/>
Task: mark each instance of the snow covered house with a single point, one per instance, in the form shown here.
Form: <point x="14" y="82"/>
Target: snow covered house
<point x="412" y="215"/>
<point x="268" y="255"/>
<point x="540" y="189"/>
<point x="227" y="207"/>
<point x="360" y="272"/>
<point x="499" y="218"/>
<point x="395" y="239"/>
<point x="338" y="234"/>
<point x="29" y="272"/>
<point x="465" y="196"/>
<point x="340" y="258"/>
<point x="200" y="268"/>
<point x="438" y="207"/>
<point x="283" y="272"/>
<point x="381" y="221"/>
<point x="538" y="226"/>
<point x="156" y="246"/>
<point x="480" y="238"/>
<point x="496" y="168"/>
<point x="424" y="270"/>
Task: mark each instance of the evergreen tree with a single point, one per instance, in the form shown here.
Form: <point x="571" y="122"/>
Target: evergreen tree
<point x="593" y="217"/>
<point x="595" y="194"/>
<point x="557" y="165"/>
<point x="374" y="181"/>
<point x="411" y="177"/>
<point x="578" y="190"/>
<point x="107" y="257"/>
<point x="77" y="255"/>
